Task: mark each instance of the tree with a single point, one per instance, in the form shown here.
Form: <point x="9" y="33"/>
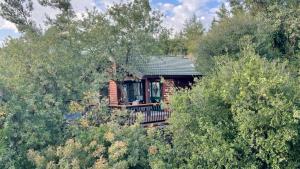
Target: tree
<point x="18" y="12"/>
<point x="134" y="26"/>
<point x="226" y="38"/>
<point x="42" y="75"/>
<point x="214" y="22"/>
<point x="236" y="7"/>
<point x="269" y="25"/>
<point x="64" y="6"/>
<point x="126" y="147"/>
<point x="108" y="145"/>
<point x="279" y="14"/>
<point x="223" y="13"/>
<point x="192" y="32"/>
<point x="246" y="114"/>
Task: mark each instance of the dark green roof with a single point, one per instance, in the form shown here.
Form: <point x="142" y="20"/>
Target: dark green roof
<point x="167" y="66"/>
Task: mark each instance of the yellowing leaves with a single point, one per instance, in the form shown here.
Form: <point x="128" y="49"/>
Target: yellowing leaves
<point x="76" y="107"/>
<point x="35" y="157"/>
<point x="152" y="150"/>
<point x="117" y="150"/>
<point x="109" y="136"/>
<point x="2" y="114"/>
<point x="296" y="114"/>
<point x="101" y="163"/>
<point x="84" y="123"/>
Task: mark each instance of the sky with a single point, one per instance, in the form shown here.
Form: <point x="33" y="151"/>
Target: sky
<point x="175" y="12"/>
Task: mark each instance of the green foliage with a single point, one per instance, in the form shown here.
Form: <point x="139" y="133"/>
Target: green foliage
<point x="64" y="5"/>
<point x="109" y="145"/>
<point x="171" y="46"/>
<point x="133" y="26"/>
<point x="228" y="36"/>
<point x="272" y="27"/>
<point x="18" y="12"/>
<point x="223" y="13"/>
<point x="245" y="115"/>
<point x="41" y="75"/>
<point x="192" y="32"/>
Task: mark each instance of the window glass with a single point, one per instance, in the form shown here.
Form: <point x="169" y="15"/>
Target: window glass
<point x="155" y="89"/>
<point x="135" y="91"/>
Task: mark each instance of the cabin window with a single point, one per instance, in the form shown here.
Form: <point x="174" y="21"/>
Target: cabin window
<point x="135" y="91"/>
<point x="155" y="92"/>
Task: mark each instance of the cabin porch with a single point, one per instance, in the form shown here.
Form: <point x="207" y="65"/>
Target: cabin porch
<point x="149" y="97"/>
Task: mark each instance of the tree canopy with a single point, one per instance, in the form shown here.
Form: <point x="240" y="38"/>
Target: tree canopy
<point x="244" y="113"/>
<point x="271" y="26"/>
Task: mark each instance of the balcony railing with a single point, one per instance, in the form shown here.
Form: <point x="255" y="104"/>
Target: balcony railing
<point x="151" y="113"/>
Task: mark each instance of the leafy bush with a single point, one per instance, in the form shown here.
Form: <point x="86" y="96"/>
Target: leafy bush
<point x="245" y="115"/>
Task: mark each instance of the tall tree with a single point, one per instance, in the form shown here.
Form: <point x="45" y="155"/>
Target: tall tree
<point x="213" y="22"/>
<point x="223" y="13"/>
<point x="47" y="71"/>
<point x="192" y="32"/>
<point x="63" y="5"/>
<point x="283" y="20"/>
<point x="18" y="12"/>
<point x="236" y="6"/>
<point x="227" y="37"/>
<point x="43" y="74"/>
<point x="134" y="25"/>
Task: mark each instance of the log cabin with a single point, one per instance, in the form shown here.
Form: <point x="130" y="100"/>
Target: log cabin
<point x="147" y="90"/>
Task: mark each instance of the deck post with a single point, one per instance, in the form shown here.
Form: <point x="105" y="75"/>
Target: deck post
<point x="147" y="90"/>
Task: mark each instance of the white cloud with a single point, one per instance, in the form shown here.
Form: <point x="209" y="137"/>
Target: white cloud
<point x="164" y="7"/>
<point x="176" y="15"/>
<point x="4" y="24"/>
<point x="81" y="5"/>
<point x="103" y="4"/>
<point x="39" y="13"/>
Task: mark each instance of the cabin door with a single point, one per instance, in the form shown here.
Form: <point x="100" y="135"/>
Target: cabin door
<point x="155" y="92"/>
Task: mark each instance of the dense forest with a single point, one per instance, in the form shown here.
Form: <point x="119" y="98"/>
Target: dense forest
<point x="244" y="113"/>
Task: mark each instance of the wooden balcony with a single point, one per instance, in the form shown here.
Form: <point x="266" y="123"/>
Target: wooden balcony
<point x="151" y="113"/>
